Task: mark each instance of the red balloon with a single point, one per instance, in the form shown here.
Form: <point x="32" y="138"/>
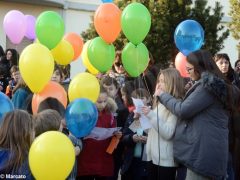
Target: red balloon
<point x="107" y="21"/>
<point x="77" y="43"/>
<point x="180" y="64"/>
<point x="52" y="89"/>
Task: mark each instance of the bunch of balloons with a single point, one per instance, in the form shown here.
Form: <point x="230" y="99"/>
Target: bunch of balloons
<point x="99" y="53"/>
<point x="24" y="24"/>
<point x="188" y="37"/>
<point x="136" y="23"/>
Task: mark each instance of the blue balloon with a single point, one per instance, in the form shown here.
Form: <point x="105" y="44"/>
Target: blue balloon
<point x="107" y="1"/>
<point x="189" y="36"/>
<point x="6" y="105"/>
<point x="81" y="117"/>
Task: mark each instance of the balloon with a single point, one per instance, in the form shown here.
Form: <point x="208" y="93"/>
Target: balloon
<point x="63" y="53"/>
<point x="135" y="59"/>
<point x="101" y="54"/>
<point x="36" y="66"/>
<point x="86" y="61"/>
<point x="52" y="89"/>
<point x="30" y="31"/>
<point x="51" y="156"/>
<point x="189" y="36"/>
<point x="76" y="42"/>
<point x="136" y="22"/>
<point x="180" y="64"/>
<point x="107" y="1"/>
<point x="49" y="29"/>
<point x="81" y="117"/>
<point x="84" y="85"/>
<point x="14" y="26"/>
<point x="107" y="22"/>
<point x="6" y="105"/>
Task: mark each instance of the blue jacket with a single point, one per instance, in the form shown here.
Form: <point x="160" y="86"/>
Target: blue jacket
<point x="201" y="138"/>
<point x="24" y="170"/>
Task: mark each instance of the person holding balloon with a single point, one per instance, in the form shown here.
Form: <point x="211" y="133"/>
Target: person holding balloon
<point x="51" y="120"/>
<point x="16" y="136"/>
<point x="204" y="115"/>
<point x="94" y="162"/>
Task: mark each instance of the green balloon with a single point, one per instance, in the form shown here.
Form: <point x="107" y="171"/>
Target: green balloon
<point x="135" y="59"/>
<point x="49" y="29"/>
<point x="136" y="22"/>
<point x="101" y="55"/>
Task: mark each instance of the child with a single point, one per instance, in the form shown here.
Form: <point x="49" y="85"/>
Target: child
<point x="159" y="144"/>
<point x="15" y="74"/>
<point x="134" y="138"/>
<point x="16" y="136"/>
<point x="113" y="90"/>
<point x="57" y="75"/>
<point x="22" y="95"/>
<point x="94" y="161"/>
<point x="51" y="117"/>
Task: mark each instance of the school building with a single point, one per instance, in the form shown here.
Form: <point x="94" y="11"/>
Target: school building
<point x="77" y="16"/>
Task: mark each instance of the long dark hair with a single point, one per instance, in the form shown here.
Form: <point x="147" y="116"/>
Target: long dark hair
<point x="16" y="136"/>
<point x="15" y="57"/>
<point x="202" y="61"/>
<point x="230" y="73"/>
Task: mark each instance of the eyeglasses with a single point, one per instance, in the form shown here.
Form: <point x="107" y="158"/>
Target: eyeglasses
<point x="189" y="69"/>
<point x="118" y="64"/>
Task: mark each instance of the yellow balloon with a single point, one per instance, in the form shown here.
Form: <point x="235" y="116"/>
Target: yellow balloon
<point x="51" y="156"/>
<point x="63" y="53"/>
<point x="84" y="85"/>
<point x="86" y="61"/>
<point x="36" y="66"/>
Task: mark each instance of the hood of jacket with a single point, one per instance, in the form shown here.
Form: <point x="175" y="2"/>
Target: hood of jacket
<point x="215" y="85"/>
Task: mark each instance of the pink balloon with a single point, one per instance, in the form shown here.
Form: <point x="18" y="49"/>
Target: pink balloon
<point x="30" y="31"/>
<point x="14" y="26"/>
<point x="180" y="64"/>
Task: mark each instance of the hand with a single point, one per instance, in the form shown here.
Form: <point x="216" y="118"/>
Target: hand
<point x="136" y="116"/>
<point x="118" y="134"/>
<point x="136" y="138"/>
<point x="77" y="150"/>
<point x="146" y="110"/>
<point x="158" y="90"/>
<point x="143" y="139"/>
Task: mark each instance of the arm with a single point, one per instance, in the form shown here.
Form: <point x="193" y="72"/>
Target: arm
<point x="196" y="102"/>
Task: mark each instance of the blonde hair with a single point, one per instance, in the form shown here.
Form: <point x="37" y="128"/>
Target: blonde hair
<point x="174" y="83"/>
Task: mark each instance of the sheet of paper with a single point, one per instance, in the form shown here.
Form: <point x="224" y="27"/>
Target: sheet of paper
<point x="138" y="103"/>
<point x="102" y="133"/>
<point x="145" y="124"/>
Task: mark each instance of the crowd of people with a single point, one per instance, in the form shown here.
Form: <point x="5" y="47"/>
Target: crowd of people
<point x="193" y="130"/>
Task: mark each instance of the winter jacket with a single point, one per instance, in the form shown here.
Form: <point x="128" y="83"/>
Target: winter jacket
<point x="161" y="136"/>
<point x="201" y="138"/>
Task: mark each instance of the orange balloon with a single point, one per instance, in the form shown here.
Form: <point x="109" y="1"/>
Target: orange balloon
<point x="107" y="21"/>
<point x="52" y="89"/>
<point x="77" y="43"/>
<point x="180" y="64"/>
